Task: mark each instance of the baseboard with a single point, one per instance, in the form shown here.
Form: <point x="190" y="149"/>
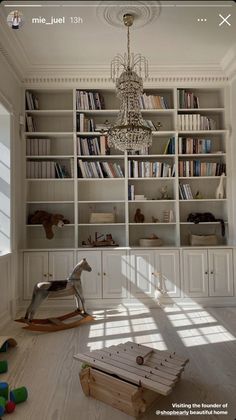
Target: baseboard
<point x="69" y="305"/>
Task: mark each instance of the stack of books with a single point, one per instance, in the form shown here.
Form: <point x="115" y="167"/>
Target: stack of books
<point x="187" y="99"/>
<point x="31" y="100"/>
<point x="99" y="170"/>
<point x="153" y="102"/>
<point x="139" y="169"/>
<point x="38" y="147"/>
<point x="89" y="100"/>
<point x="92" y="146"/>
<point x="198" y="168"/>
<point x="48" y="169"/>
<point x="194" y="145"/>
<point x="185" y="192"/>
<point x="195" y="122"/>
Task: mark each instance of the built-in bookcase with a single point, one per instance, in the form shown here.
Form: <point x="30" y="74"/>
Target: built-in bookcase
<point x="176" y="176"/>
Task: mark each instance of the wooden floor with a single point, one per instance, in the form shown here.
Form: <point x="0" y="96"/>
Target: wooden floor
<point x="44" y="362"/>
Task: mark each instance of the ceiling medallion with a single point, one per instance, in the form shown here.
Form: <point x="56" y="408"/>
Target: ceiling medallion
<point x="144" y="12"/>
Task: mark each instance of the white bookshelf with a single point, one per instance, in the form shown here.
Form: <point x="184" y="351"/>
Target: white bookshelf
<point x="76" y="198"/>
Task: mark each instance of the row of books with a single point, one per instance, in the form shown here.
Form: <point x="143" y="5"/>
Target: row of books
<point x="92" y="146"/>
<point x="30" y="125"/>
<point x="84" y="123"/>
<point x="89" y="100"/>
<point x="189" y="145"/>
<point x="185" y="192"/>
<point x="38" y="147"/>
<point x="170" y="147"/>
<point x="99" y="170"/>
<point x="147" y="169"/>
<point x="153" y="102"/>
<point x="187" y="99"/>
<point x="198" y="168"/>
<point x="48" y="169"/>
<point x="31" y="100"/>
<point x="195" y="122"/>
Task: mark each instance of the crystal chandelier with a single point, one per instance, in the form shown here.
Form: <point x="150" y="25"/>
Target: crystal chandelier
<point x="129" y="132"/>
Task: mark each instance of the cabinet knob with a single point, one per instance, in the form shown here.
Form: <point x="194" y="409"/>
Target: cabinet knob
<point x="206" y="272"/>
<point x="45" y="275"/>
<point x="50" y="275"/>
<point x="99" y="274"/>
<point x="104" y="274"/>
<point x="212" y="272"/>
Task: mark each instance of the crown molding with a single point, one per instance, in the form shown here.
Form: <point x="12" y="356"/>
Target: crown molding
<point x="94" y="75"/>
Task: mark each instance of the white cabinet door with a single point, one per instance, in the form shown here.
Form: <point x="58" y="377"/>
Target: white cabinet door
<point x="220" y="272"/>
<point x="142" y="273"/>
<point x="195" y="272"/>
<point x="61" y="263"/>
<point x="91" y="281"/>
<point x="35" y="270"/>
<point x="167" y="275"/>
<point x="115" y="281"/>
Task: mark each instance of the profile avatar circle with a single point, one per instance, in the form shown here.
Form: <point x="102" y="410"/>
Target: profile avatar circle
<point x="15" y="19"/>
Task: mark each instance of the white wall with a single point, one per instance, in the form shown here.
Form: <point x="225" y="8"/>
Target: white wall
<point x="5" y="187"/>
<point x="11" y="98"/>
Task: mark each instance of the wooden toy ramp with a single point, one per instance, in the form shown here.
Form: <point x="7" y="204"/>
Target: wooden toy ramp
<point x="56" y="323"/>
<point x="159" y="372"/>
<point x="5" y="339"/>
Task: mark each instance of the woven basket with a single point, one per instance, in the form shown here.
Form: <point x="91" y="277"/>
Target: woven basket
<point x="203" y="240"/>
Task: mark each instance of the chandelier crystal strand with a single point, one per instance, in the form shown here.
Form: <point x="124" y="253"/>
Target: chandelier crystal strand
<point x="130" y="132"/>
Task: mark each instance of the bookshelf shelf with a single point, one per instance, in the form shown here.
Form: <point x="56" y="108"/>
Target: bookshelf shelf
<point x="202" y="223"/>
<point x="33" y="157"/>
<point x="101" y="224"/>
<point x="49" y="133"/>
<point x="201" y="155"/>
<point x="50" y="202"/>
<point x="161" y="156"/>
<point x="197" y="110"/>
<point x="100" y="157"/>
<point x="55" y="115"/>
<point x="153" y="224"/>
<point x="49" y="112"/>
<point x="200" y="177"/>
<point x="151" y="201"/>
<point x="204" y="200"/>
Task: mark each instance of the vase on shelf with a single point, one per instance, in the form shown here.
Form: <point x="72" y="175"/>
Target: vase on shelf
<point x="220" y="188"/>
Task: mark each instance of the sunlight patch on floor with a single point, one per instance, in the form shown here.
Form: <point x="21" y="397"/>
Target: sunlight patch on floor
<point x="138" y="327"/>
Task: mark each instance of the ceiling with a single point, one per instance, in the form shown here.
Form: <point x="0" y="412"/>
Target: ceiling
<point x="173" y="36"/>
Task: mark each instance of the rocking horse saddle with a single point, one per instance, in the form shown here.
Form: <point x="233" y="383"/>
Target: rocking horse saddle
<point x="57" y="285"/>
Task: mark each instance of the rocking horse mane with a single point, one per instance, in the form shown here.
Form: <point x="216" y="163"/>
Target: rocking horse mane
<point x="76" y="273"/>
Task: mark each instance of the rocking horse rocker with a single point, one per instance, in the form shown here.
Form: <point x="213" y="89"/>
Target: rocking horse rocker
<point x="55" y="289"/>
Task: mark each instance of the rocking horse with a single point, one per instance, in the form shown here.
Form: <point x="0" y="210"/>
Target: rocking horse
<point x="55" y="289"/>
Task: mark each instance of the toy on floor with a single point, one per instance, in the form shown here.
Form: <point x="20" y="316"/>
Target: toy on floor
<point x="8" y="401"/>
<point x="6" y="342"/>
<point x="3" y="366"/>
<point x="116" y="377"/>
<point x="10" y="407"/>
<point x="55" y="289"/>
